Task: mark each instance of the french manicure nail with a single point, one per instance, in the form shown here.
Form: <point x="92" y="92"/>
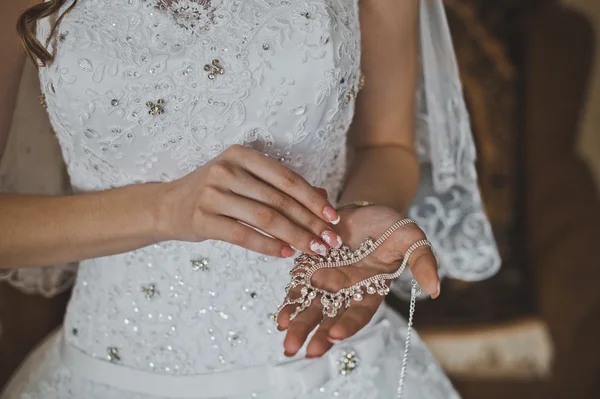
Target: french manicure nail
<point x="331" y="214"/>
<point x="318" y="247"/>
<point x="333" y="340"/>
<point x="332" y="239"/>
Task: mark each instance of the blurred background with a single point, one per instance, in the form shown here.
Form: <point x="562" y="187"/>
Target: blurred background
<point x="531" y="75"/>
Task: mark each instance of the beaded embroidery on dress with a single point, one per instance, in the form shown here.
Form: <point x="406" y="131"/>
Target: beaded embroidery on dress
<point x="148" y="90"/>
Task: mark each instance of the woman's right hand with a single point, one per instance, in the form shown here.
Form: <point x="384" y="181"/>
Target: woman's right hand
<point x="240" y="188"/>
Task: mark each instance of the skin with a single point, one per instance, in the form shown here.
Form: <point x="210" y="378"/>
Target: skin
<point x="228" y="199"/>
<point x="382" y="135"/>
<point x="242" y="185"/>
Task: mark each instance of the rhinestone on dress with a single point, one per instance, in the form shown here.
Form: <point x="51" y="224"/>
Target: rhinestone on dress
<point x="361" y="82"/>
<point x="113" y="354"/>
<point x="351" y="95"/>
<point x="199" y="264"/>
<point x="150" y="291"/>
<point x="214" y="69"/>
<point x="155" y="109"/>
<point x="348" y="363"/>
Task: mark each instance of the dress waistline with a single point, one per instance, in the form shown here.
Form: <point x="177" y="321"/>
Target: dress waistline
<point x="306" y="374"/>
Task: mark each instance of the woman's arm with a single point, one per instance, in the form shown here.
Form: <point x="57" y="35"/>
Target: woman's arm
<point x="38" y="230"/>
<point x="385" y="169"/>
<point x="239" y="185"/>
<point x="43" y="230"/>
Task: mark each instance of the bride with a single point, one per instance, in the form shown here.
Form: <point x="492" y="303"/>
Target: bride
<point x="206" y="144"/>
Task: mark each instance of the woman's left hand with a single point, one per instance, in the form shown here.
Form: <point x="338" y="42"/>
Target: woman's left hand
<point x="356" y="225"/>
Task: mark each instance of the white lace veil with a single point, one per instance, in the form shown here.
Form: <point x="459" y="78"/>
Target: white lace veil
<point x="448" y="205"/>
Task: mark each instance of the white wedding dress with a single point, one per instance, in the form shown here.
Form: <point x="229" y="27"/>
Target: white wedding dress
<point x="131" y="101"/>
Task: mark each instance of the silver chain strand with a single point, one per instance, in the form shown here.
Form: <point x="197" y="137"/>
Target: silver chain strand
<point x="414" y="293"/>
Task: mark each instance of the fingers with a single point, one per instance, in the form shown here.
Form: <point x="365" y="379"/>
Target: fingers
<point x="323" y="192"/>
<point x="249" y="187"/>
<point x="299" y="328"/>
<point x="236" y="233"/>
<point x="320" y="342"/>
<point x="423" y="266"/>
<point x="422" y="261"/>
<point x="285" y="180"/>
<point x="269" y="221"/>
<point x="354" y="318"/>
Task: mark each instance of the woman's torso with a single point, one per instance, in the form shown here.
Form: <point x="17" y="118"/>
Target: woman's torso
<point x="131" y="101"/>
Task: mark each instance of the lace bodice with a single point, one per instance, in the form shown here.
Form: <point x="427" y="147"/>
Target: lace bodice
<point x="143" y="91"/>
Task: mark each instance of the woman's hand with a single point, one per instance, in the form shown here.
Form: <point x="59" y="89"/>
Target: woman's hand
<point x="357" y="225"/>
<point x="242" y="190"/>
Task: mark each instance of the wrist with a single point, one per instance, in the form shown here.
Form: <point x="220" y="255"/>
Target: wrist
<point x="161" y="207"/>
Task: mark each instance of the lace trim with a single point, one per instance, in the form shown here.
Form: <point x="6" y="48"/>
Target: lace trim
<point x="45" y="281"/>
<point x="448" y="206"/>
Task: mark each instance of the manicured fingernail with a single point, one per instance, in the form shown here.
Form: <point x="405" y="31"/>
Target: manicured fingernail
<point x="318" y="247"/>
<point x="333" y="340"/>
<point x="437" y="292"/>
<point x="287" y="252"/>
<point x="332" y="239"/>
<point x="331" y="214"/>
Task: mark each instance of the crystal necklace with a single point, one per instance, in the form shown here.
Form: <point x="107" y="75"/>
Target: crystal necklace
<point x="305" y="266"/>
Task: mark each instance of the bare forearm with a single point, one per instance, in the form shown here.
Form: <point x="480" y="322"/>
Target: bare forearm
<point x="37" y="231"/>
<point x="386" y="175"/>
